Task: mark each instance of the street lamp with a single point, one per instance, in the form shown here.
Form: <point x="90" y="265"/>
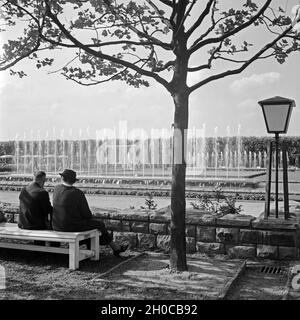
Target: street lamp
<point x="277" y="112"/>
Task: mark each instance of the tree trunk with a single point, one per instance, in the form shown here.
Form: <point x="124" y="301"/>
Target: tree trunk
<point x="178" y="241"/>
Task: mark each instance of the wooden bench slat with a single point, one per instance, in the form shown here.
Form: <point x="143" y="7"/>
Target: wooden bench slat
<point x="13" y="229"/>
<point x="31" y="247"/>
<point x="83" y="254"/>
<point x="21" y="236"/>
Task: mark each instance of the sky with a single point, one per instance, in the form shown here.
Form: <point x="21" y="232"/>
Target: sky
<point x="46" y="105"/>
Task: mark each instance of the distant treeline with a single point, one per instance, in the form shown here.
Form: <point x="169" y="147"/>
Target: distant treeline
<point x="247" y="144"/>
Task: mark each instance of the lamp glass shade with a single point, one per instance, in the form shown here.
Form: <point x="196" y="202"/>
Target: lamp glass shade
<point x="277" y="117"/>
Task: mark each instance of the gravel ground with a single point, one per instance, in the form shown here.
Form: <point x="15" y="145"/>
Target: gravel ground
<point x="41" y="276"/>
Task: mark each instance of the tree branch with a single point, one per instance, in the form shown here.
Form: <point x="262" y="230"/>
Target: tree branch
<point x="201" y="18"/>
<point x="167" y="3"/>
<point x="243" y="67"/>
<point x="23" y="56"/>
<point x="30" y="51"/>
<point x="156" y="9"/>
<point x="233" y="32"/>
<point x="95" y="82"/>
<point x="211" y="58"/>
<point x="101" y="55"/>
<point x="136" y="31"/>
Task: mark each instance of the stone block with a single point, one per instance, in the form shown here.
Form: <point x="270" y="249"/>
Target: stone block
<point x="163" y="242"/>
<point x="206" y="220"/>
<point x="193" y="216"/>
<point x="10" y="217"/>
<point x="126" y="226"/>
<point x="235" y="220"/>
<point x="141" y="227"/>
<point x="190" y="245"/>
<point x="267" y="252"/>
<point x="212" y="247"/>
<point x="227" y="235"/>
<point x="190" y="230"/>
<point x="102" y="212"/>
<point x="286" y="239"/>
<point x="206" y="234"/>
<point x="146" y="241"/>
<point x="158" y="228"/>
<point x="133" y="214"/>
<point x="274" y="224"/>
<point x="287" y="253"/>
<point x="114" y="225"/>
<point x="251" y="236"/>
<point x="126" y="237"/>
<point x="159" y="217"/>
<point x="298" y="238"/>
<point x="16" y="218"/>
<point x="242" y="252"/>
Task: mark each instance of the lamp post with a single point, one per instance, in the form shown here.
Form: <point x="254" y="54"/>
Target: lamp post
<point x="277" y="112"/>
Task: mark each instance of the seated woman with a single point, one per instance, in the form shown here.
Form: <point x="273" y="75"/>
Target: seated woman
<point x="71" y="212"/>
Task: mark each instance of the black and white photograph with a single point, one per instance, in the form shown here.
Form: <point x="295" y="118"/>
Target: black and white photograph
<point x="149" y="153"/>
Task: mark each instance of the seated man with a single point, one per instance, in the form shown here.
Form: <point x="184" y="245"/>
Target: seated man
<point x="71" y="212"/>
<point x="35" y="206"/>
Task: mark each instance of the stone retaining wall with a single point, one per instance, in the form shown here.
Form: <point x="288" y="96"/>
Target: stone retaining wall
<point x="239" y="236"/>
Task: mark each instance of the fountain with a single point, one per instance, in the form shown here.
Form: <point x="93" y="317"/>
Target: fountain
<point x="216" y="152"/>
<point x="134" y="153"/>
<point x="239" y="150"/>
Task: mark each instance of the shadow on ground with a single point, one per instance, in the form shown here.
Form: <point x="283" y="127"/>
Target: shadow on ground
<point x="38" y="275"/>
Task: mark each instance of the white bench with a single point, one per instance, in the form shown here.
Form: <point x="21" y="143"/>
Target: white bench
<point x="12" y="231"/>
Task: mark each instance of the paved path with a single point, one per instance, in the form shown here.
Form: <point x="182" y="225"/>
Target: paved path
<point x="254" y="285"/>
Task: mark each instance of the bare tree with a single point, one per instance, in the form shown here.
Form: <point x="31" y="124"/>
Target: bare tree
<point x="163" y="40"/>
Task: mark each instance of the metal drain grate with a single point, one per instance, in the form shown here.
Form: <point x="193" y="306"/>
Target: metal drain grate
<point x="272" y="270"/>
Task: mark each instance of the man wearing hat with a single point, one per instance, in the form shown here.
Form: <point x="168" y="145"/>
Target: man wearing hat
<point x="71" y="212"/>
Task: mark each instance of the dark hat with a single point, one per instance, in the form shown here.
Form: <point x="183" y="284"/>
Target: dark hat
<point x="69" y="175"/>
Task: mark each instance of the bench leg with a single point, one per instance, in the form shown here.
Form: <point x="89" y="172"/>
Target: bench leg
<point x="74" y="255"/>
<point x="95" y="246"/>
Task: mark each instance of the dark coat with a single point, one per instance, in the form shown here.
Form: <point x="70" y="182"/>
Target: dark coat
<point x="71" y="211"/>
<point x="35" y="208"/>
